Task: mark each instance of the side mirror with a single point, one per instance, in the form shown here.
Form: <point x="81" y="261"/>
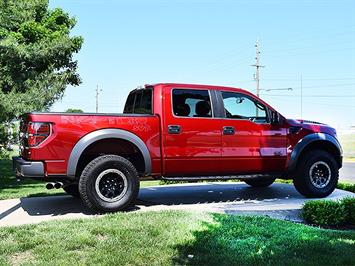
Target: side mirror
<point x="275" y="118"/>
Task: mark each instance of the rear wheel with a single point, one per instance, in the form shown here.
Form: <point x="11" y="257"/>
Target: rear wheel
<point x="109" y="183"/>
<point x="317" y="174"/>
<point x="72" y="189"/>
<point x="261" y="182"/>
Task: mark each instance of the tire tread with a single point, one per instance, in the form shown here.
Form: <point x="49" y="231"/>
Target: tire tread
<point x="86" y="175"/>
<point x="301" y="182"/>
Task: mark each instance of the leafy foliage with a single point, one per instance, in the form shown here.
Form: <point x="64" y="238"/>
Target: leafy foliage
<point x="324" y="212"/>
<point x="328" y="212"/>
<point x="36" y="56"/>
<point x="349" y="205"/>
<point x="346" y="186"/>
<point x="73" y="110"/>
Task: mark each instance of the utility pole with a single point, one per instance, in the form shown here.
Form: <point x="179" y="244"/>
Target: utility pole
<point x="97" y="98"/>
<point x="257" y="66"/>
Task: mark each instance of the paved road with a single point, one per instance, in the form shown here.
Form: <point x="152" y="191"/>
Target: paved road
<point x="279" y="201"/>
<point x="347" y="172"/>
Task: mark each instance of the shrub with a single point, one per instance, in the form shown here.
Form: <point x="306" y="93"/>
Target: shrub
<point x="347" y="187"/>
<point x="324" y="212"/>
<point x="349" y="205"/>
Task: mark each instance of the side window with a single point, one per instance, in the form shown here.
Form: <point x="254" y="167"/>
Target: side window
<point x="239" y="106"/>
<point x="139" y="102"/>
<point x="128" y="108"/>
<point x="191" y="103"/>
<point x="143" y="103"/>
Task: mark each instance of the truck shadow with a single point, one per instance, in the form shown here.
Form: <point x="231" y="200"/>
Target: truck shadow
<point x="53" y="205"/>
<point x="214" y="193"/>
<point x="160" y="195"/>
<point x="235" y="194"/>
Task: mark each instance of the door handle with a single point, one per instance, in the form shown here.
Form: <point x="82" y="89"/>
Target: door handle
<point x="228" y="130"/>
<point x="174" y="129"/>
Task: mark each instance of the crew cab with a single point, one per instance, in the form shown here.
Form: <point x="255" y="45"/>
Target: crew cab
<point x="176" y="132"/>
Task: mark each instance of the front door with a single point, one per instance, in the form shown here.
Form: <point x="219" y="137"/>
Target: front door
<point x="250" y="144"/>
<point x="191" y="133"/>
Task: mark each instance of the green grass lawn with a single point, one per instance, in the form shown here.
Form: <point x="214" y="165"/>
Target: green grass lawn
<point x="10" y="188"/>
<point x="175" y="237"/>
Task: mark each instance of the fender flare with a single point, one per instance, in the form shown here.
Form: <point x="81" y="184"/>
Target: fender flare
<point x="304" y="142"/>
<point x="107" y="133"/>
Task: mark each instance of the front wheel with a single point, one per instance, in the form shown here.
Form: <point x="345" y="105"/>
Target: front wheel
<point x="317" y="174"/>
<point x="261" y="182"/>
<point x="109" y="183"/>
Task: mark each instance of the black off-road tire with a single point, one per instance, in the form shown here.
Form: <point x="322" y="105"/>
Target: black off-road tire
<point x="88" y="181"/>
<point x="72" y="190"/>
<point x="260" y="182"/>
<point x="302" y="180"/>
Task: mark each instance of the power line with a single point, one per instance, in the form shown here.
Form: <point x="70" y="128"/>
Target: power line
<point x="320" y="96"/>
<point x="296" y="79"/>
<point x="321" y="86"/>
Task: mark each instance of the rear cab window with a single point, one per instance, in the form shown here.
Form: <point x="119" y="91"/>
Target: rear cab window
<point x="139" y="102"/>
<point x="191" y="103"/>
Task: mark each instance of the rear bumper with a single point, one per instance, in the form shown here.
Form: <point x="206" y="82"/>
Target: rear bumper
<point x="27" y="169"/>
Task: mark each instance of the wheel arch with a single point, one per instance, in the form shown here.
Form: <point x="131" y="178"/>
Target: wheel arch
<point x="102" y="134"/>
<point x="315" y="141"/>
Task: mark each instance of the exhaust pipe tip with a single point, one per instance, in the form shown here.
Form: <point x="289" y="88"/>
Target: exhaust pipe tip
<point x="58" y="185"/>
<point x="50" y="186"/>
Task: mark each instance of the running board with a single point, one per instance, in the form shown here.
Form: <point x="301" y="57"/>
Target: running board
<point x="215" y="178"/>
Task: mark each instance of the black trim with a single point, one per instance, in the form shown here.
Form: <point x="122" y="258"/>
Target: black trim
<point x="27" y="169"/>
<point x="228" y="130"/>
<point x="217" y="104"/>
<point x="242" y="176"/>
<point x="304" y="142"/>
<point x="174" y="129"/>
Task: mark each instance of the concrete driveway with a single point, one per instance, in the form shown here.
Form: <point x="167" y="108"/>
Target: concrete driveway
<point x="278" y="201"/>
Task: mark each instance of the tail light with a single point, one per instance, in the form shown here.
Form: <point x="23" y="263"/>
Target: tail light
<point x="37" y="132"/>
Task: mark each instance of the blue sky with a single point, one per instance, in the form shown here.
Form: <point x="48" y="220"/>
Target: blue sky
<point x="131" y="43"/>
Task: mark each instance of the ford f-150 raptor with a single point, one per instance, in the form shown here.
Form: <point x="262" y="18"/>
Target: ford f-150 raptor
<point x="176" y="132"/>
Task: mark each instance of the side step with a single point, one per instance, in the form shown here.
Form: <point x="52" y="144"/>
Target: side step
<point x="215" y="178"/>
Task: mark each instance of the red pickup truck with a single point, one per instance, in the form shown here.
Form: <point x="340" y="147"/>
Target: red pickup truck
<point x="176" y="132"/>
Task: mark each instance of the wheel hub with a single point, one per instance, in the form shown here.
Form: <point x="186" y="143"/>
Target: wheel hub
<point x="111" y="185"/>
<point x="320" y="174"/>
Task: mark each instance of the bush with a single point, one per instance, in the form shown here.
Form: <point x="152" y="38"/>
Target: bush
<point x="347" y="187"/>
<point x="349" y="205"/>
<point x="324" y="212"/>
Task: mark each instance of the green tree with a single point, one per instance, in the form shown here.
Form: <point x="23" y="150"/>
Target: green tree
<point x="73" y="110"/>
<point x="36" y="57"/>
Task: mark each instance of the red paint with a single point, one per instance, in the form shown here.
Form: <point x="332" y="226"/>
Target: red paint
<point x="200" y="149"/>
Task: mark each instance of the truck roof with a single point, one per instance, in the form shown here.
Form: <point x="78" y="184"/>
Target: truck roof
<point x="204" y="86"/>
<point x="189" y="85"/>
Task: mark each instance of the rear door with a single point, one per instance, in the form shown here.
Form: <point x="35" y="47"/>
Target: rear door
<point x="191" y="132"/>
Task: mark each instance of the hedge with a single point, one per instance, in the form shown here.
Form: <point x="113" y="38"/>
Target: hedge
<point x="346" y="186"/>
<point x="329" y="213"/>
<point x="349" y="205"/>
